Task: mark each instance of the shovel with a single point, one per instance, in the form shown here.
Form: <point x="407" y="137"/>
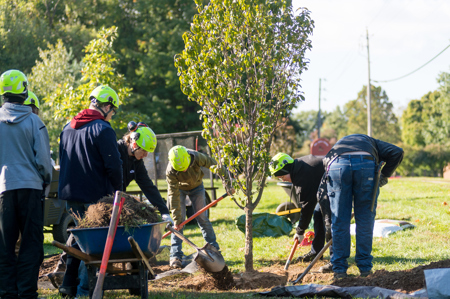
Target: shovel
<point x="208" y="257"/>
<point x="199" y="212"/>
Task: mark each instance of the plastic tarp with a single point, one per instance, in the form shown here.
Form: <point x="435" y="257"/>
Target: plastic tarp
<point x="266" y="225"/>
<point x="384" y="227"/>
<point x="312" y="290"/>
<point x="437" y="283"/>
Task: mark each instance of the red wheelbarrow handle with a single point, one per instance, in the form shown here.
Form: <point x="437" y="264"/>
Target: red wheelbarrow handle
<point x="198" y="213"/>
<point x="118" y="204"/>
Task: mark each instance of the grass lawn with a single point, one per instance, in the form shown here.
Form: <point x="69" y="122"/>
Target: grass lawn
<point x="421" y="201"/>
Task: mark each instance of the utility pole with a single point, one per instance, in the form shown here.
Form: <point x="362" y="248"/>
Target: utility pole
<point x="369" y="110"/>
<point x="319" y="122"/>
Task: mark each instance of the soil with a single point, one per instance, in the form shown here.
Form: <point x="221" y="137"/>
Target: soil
<point x="134" y="213"/>
<point x="406" y="281"/>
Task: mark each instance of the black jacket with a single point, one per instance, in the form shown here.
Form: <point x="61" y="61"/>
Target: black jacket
<point x="135" y="170"/>
<point x="306" y="174"/>
<point x="380" y="150"/>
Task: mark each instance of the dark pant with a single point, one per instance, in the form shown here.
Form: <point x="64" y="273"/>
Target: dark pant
<point x="21" y="211"/>
<point x="319" y="232"/>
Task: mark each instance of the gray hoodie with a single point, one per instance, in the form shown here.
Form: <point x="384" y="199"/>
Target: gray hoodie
<point x="24" y="149"/>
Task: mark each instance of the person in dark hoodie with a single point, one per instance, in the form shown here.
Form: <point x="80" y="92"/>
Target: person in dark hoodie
<point x="90" y="168"/>
<point x="305" y="174"/>
<point x="349" y="181"/>
<point x="133" y="147"/>
<point x="25" y="171"/>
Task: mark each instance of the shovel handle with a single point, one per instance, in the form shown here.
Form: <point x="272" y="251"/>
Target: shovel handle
<point x="181" y="236"/>
<point x="198" y="213"/>
<point x="291" y="255"/>
<point x="118" y="204"/>
<point x="318" y="256"/>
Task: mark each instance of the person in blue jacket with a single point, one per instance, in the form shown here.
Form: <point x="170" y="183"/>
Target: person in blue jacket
<point x="90" y="168"/>
<point x="24" y="172"/>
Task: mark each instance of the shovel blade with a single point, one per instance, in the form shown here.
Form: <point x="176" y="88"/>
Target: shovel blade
<point x="209" y="258"/>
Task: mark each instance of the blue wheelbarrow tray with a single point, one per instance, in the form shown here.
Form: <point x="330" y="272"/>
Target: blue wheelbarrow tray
<point x="92" y="240"/>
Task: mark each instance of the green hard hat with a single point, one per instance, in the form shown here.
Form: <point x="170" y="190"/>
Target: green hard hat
<point x="179" y="157"/>
<point x="279" y="161"/>
<point x="145" y="138"/>
<point x="32" y="99"/>
<point x="105" y="94"/>
<point x="13" y="82"/>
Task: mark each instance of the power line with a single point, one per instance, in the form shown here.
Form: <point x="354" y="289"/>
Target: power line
<point x="379" y="81"/>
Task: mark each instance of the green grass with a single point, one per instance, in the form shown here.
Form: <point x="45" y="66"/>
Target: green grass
<point x="416" y="200"/>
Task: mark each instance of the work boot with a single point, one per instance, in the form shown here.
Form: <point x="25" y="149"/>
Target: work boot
<point x="307" y="257"/>
<point x="327" y="268"/>
<point x="68" y="292"/>
<point x="339" y="275"/>
<point x="176" y="263"/>
<point x="365" y="273"/>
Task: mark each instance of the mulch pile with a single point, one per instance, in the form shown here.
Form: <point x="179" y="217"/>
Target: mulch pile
<point x="134" y="213"/>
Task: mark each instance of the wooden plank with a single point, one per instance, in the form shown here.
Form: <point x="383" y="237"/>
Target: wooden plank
<point x="74" y="252"/>
<point x="138" y="252"/>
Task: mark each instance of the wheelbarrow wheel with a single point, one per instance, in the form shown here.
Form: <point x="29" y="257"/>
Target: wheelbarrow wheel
<point x="134" y="292"/>
<point x="289" y="206"/>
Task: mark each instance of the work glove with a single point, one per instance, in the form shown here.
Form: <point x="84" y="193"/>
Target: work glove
<point x="328" y="233"/>
<point x="298" y="237"/>
<point x="166" y="217"/>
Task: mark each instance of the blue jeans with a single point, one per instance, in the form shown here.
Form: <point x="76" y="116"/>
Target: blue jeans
<point x="197" y="197"/>
<point x="350" y="181"/>
<point x="74" y="267"/>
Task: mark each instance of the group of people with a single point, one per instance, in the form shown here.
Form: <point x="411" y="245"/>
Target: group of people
<point x="93" y="164"/>
<point x="330" y="188"/>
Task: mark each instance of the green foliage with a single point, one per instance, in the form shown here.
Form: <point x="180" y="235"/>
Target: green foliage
<point x="55" y="68"/>
<point x="150" y="34"/>
<point x="424" y="161"/>
<point x="242" y="63"/>
<point x="384" y="122"/>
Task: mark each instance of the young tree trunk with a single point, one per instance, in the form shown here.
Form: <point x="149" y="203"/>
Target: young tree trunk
<point x="248" y="240"/>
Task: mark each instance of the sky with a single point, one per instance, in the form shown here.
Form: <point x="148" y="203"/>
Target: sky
<point x="403" y="36"/>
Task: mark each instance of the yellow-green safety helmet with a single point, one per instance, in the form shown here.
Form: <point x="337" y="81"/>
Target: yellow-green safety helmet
<point x="13" y="82"/>
<point x="279" y="161"/>
<point x="32" y="99"/>
<point x="145" y="138"/>
<point x="179" y="158"/>
<point x="105" y="94"/>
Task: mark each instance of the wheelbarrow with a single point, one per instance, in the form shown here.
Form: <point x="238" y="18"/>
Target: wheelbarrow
<point x="131" y="245"/>
<point x="290" y="209"/>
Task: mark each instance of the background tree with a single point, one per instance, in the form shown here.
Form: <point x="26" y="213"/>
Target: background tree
<point x="384" y="122"/>
<point x="55" y="68"/>
<point x="242" y="64"/>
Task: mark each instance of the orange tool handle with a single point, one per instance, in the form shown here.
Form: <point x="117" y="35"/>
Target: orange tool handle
<point x="291" y="255"/>
<point x="199" y="212"/>
<point x="118" y="204"/>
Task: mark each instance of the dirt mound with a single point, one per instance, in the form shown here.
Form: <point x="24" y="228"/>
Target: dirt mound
<point x="223" y="280"/>
<point x="134" y="213"/>
<point x="403" y="281"/>
<point x="48" y="265"/>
